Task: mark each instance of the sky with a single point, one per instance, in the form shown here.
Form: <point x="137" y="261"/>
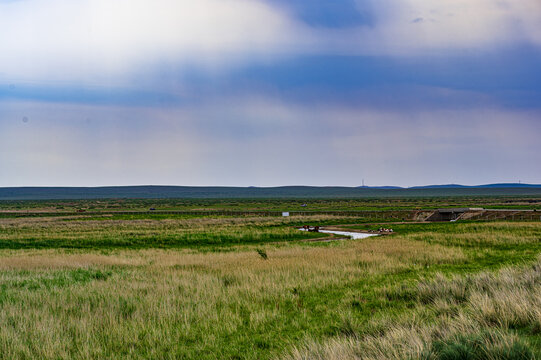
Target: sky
<point x="269" y="93"/>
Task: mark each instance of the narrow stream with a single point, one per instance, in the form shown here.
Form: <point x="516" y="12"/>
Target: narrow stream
<point x="353" y="235"/>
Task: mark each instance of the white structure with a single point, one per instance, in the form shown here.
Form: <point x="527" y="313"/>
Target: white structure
<point x="285" y="213"/>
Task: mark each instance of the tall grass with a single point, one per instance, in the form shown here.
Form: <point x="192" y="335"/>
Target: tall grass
<point x="148" y="303"/>
<point x="185" y="304"/>
<point x="466" y="317"/>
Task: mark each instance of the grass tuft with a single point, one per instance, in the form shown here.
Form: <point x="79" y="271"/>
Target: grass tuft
<point x="262" y="253"/>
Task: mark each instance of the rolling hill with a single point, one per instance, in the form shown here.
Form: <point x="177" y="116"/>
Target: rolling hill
<point x="192" y="192"/>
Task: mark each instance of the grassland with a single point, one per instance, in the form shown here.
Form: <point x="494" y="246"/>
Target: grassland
<point x="403" y="203"/>
<point x="142" y="232"/>
<point x="169" y="287"/>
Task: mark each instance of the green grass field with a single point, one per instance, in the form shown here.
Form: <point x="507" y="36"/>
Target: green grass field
<point x="219" y="287"/>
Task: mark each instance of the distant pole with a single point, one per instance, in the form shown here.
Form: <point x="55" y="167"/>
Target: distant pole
<point x="363" y="182"/>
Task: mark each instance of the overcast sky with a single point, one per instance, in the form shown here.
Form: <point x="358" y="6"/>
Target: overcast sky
<point x="264" y="93"/>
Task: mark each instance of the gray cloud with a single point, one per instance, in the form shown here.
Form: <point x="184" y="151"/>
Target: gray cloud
<point x="103" y="41"/>
<point x="318" y="145"/>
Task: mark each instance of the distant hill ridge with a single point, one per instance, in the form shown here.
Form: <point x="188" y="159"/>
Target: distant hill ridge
<point x="500" y="185"/>
<point x="193" y="192"/>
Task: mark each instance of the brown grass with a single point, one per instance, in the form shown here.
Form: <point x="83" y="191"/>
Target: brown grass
<point x="375" y="254"/>
<point x="156" y="300"/>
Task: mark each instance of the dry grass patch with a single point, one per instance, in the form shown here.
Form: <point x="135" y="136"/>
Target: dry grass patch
<point x="59" y="259"/>
<point x="482" y="234"/>
<point x="181" y="303"/>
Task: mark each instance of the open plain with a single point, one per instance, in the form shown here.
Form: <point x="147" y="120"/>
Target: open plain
<point x="82" y="283"/>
